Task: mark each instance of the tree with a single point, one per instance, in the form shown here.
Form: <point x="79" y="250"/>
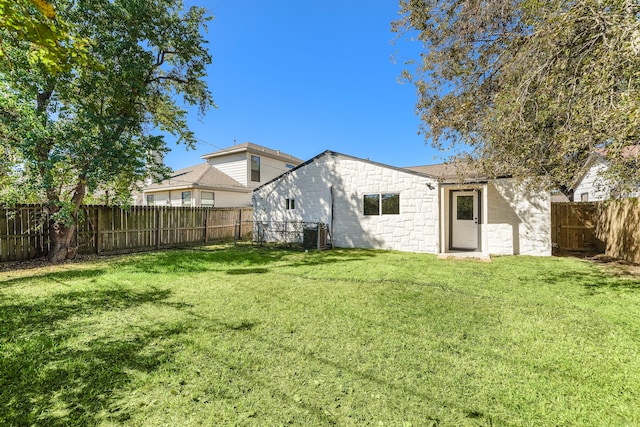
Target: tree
<point x="531" y="87"/>
<point x="36" y="21"/>
<point x="97" y="125"/>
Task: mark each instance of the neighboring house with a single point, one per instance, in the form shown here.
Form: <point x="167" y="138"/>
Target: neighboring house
<point x="225" y="180"/>
<point x="421" y="209"/>
<point x="592" y="186"/>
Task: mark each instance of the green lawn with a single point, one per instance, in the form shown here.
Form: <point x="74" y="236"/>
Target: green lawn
<point x="249" y="336"/>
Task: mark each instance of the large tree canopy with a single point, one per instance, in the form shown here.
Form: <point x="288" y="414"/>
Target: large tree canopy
<point x="96" y="125"/>
<point x="533" y="87"/>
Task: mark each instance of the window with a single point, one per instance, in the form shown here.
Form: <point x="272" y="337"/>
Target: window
<point x="381" y="204"/>
<point x="290" y="203"/>
<point x="372" y="204"/>
<point x="207" y="199"/>
<point x="186" y="198"/>
<point x="584" y="197"/>
<point x="151" y="199"/>
<point x="390" y="204"/>
<point x="464" y="206"/>
<point x="255" y="168"/>
<point x="288" y="166"/>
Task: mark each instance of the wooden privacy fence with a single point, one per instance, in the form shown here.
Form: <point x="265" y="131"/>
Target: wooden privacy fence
<point x="611" y="227"/>
<point x="114" y="229"/>
<point x="573" y="226"/>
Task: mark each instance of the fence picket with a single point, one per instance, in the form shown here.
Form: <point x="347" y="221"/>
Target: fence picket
<point x="113" y="229"/>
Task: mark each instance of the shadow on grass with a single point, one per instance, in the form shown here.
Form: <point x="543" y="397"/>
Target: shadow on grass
<point x="592" y="279"/>
<point x="46" y="379"/>
<point x="62" y="276"/>
<point x="236" y="259"/>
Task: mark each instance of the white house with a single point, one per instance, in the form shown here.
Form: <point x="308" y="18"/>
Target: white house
<point x="423" y="209"/>
<point x="225" y="180"/>
<point x="591" y="185"/>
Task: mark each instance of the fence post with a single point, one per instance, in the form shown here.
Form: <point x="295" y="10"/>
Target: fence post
<point x="99" y="230"/>
<point x="158" y="214"/>
<point x="206" y="225"/>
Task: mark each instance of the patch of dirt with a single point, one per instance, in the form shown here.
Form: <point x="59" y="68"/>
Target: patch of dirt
<point x="615" y="265"/>
<point x="606" y="262"/>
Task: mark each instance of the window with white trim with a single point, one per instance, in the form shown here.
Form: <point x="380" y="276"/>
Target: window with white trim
<point x="186" y="198"/>
<point x="207" y="199"/>
<point x="255" y="168"/>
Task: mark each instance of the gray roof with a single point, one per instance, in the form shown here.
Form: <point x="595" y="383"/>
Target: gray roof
<point x="202" y="175"/>
<point x="256" y="149"/>
<point x="450" y="172"/>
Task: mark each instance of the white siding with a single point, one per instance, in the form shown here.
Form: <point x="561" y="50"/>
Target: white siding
<point x="519" y="220"/>
<point x="269" y="169"/>
<point x="223" y="199"/>
<point x="229" y="199"/>
<point x="234" y="165"/>
<point x="415" y="229"/>
<point x="592" y="184"/>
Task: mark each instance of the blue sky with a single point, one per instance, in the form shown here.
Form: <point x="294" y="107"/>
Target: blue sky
<point x="303" y="77"/>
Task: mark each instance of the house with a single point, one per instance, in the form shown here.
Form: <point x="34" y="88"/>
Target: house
<point x="226" y="179"/>
<point x="591" y="185"/>
<point x="432" y="209"/>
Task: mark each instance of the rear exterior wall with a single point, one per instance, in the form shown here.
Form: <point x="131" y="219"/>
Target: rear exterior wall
<point x="331" y="190"/>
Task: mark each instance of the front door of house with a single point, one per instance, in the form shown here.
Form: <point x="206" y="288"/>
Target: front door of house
<point x="464" y="220"/>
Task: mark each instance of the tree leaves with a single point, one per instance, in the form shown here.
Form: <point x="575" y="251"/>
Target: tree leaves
<point x="97" y="125"/>
<point x="532" y="87"/>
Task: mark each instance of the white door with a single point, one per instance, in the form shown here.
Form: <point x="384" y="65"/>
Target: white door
<point x="464" y="220"/>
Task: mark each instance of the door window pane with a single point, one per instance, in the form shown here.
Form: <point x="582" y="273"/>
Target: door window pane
<point x="464" y="207"/>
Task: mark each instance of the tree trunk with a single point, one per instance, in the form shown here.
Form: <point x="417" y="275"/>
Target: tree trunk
<point x="62" y="242"/>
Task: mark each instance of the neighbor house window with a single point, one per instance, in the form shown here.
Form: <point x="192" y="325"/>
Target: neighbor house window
<point x="290" y="204"/>
<point x="381" y="204"/>
<point x="186" y="198"/>
<point x="255" y="168"/>
<point x="584" y="197"/>
<point x="207" y="199"/>
<point x="151" y="199"/>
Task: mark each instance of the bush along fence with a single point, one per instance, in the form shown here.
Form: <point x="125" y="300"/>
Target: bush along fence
<point x="610" y="227"/>
<point x="115" y="229"/>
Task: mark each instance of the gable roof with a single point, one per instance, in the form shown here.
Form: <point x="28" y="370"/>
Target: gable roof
<point x="255" y="149"/>
<point x="600" y="154"/>
<point x="444" y="173"/>
<point x="202" y="175"/>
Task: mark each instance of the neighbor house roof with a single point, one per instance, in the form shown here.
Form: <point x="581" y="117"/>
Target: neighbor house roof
<point x="202" y="175"/>
<point x="255" y="149"/>
<point x="600" y="155"/>
<point x="628" y="151"/>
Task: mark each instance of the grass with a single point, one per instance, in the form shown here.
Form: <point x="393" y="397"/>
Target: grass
<point x="250" y="336"/>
